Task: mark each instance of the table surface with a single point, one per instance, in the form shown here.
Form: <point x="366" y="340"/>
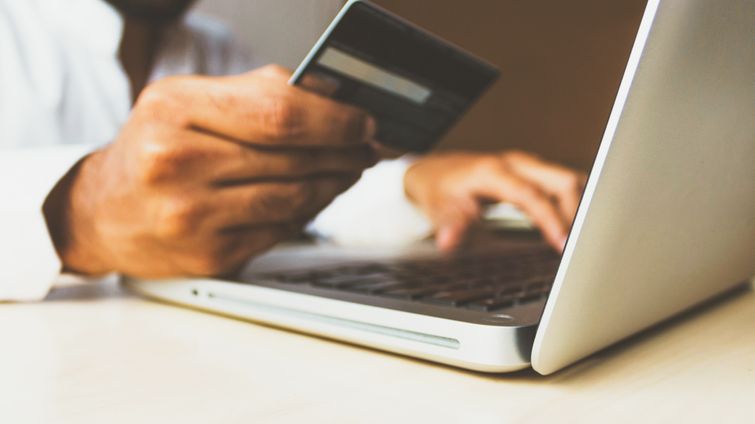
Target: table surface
<point x="96" y="353"/>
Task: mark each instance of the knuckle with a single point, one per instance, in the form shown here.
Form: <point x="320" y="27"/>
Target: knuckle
<point x="153" y="96"/>
<point x="162" y="101"/>
<point x="152" y="167"/>
<point x="488" y="165"/>
<point x="178" y="218"/>
<point x="516" y="155"/>
<point x="275" y="70"/>
<point x="160" y="162"/>
<point x="281" y="118"/>
<point x="157" y="95"/>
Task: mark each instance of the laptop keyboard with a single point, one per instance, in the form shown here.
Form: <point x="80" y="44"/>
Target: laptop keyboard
<point x="480" y="282"/>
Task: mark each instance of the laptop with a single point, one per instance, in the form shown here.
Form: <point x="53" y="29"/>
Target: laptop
<point x="667" y="221"/>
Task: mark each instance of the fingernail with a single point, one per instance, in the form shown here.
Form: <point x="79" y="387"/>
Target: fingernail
<point x="446" y="239"/>
<point x="443" y="236"/>
<point x="563" y="243"/>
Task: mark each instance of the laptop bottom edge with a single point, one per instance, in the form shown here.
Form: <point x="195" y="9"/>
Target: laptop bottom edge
<point x="478" y="347"/>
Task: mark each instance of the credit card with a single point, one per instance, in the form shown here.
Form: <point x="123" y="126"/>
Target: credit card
<point x="414" y="83"/>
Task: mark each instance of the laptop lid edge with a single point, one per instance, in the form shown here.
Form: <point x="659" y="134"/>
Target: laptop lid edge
<point x="544" y="361"/>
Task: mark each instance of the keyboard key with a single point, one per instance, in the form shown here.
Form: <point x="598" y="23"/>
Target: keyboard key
<point x="530" y="298"/>
<point x="509" y="290"/>
<point x="537" y="290"/>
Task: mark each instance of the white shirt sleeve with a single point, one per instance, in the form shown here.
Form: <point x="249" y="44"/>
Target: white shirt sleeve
<point x="29" y="264"/>
<point x="375" y="211"/>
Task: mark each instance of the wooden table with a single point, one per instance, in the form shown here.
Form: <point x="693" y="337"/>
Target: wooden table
<point x="98" y="354"/>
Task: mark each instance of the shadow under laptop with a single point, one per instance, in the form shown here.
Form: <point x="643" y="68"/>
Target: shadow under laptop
<point x="637" y="344"/>
<point x="78" y="290"/>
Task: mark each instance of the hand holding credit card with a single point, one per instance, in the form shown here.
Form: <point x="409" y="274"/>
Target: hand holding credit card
<point x="415" y="84"/>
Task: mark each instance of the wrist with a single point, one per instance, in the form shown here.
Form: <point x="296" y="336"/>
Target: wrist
<point x="70" y="222"/>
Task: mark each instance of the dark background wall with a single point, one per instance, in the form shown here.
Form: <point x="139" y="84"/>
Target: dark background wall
<point x="561" y="61"/>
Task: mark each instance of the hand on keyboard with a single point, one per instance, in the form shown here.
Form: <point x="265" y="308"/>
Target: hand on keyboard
<point x="451" y="188"/>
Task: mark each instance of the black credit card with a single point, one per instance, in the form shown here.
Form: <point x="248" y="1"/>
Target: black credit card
<point x="414" y="83"/>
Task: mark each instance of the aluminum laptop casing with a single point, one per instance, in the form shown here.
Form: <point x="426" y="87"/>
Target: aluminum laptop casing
<point x="668" y="215"/>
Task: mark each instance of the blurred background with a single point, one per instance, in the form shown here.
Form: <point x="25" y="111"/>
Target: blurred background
<point x="561" y="61"/>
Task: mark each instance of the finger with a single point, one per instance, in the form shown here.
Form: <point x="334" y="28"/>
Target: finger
<point x="453" y="221"/>
<point x="256" y="109"/>
<point x="320" y="84"/>
<point x="506" y="187"/>
<point x="229" y="252"/>
<point x="450" y="237"/>
<point x="564" y="184"/>
<point x="315" y="82"/>
<point x="252" y="242"/>
<point x="294" y="165"/>
<point x="274" y="71"/>
<point x="274" y="202"/>
<point x="222" y="162"/>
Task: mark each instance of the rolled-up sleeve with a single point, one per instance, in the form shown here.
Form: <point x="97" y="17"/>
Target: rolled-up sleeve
<point x="375" y="211"/>
<point x="29" y="264"/>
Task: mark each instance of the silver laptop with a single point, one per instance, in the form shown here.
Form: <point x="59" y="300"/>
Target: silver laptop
<point x="667" y="221"/>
